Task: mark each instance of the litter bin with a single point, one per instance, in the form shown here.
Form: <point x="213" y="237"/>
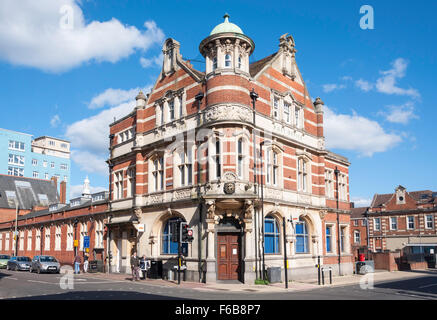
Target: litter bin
<point x="364" y="267"/>
<point x="274" y="274"/>
<point x="155" y="271"/>
<point x="92" y="266"/>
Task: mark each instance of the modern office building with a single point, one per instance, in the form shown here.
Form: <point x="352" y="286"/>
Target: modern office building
<point x="39" y="158"/>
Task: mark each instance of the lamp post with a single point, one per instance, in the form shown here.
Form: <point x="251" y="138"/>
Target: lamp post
<point x="254" y="97"/>
<point x="42" y="238"/>
<point x="199" y="98"/>
<point x="262" y="207"/>
<point x="336" y="171"/>
<point x="75" y="236"/>
<point x="16" y="225"/>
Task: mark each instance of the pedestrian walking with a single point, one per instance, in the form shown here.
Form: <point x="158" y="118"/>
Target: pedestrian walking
<point x="85" y="263"/>
<point x="77" y="261"/>
<point x="143" y="266"/>
<point x="135" y="265"/>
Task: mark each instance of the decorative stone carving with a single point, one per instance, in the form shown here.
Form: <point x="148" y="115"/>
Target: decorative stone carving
<point x="229" y="176"/>
<point x="227" y="112"/>
<point x="248" y="209"/>
<point x="182" y="194"/>
<point x="138" y="212"/>
<point x="322" y="214"/>
<point x="210" y="209"/>
<point x="315" y="238"/>
<point x="229" y="188"/>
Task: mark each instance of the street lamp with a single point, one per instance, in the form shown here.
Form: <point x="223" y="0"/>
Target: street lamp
<point x="75" y="235"/>
<point x="16" y="233"/>
<point x="254" y="97"/>
<point x="262" y="207"/>
<point x="336" y="171"/>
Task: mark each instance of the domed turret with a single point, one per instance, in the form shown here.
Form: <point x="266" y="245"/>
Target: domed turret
<point x="227" y="49"/>
<point x="226" y="27"/>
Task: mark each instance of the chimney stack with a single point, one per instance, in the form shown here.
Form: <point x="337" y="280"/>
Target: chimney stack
<point x="63" y="192"/>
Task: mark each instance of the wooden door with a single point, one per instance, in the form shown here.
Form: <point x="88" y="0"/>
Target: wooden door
<point x="228" y="256"/>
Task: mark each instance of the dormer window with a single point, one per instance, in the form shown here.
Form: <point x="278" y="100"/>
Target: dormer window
<point x="228" y="61"/>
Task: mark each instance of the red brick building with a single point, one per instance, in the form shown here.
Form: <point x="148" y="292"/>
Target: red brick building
<point x="359" y="231"/>
<point x="187" y="150"/>
<point x="52" y="231"/>
<point x="401" y="220"/>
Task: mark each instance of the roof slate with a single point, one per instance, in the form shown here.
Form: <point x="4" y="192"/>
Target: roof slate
<point x="29" y="192"/>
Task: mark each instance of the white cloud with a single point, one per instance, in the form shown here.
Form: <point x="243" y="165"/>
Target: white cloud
<point x="89" y="137"/>
<point x="361" y="202"/>
<point x="112" y="97"/>
<point x="364" y="85"/>
<point x="354" y="132"/>
<point x="55" y="121"/>
<point x="387" y="83"/>
<point x="76" y="190"/>
<point x="153" y="62"/>
<point x="92" y="133"/>
<point x="90" y="162"/>
<point x="43" y="34"/>
<point x="400" y="114"/>
<point x="332" y="87"/>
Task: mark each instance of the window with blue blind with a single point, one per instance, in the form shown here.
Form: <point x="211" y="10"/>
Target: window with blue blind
<point x="328" y="239"/>
<point x="168" y="246"/>
<point x="301" y="237"/>
<point x="271" y="236"/>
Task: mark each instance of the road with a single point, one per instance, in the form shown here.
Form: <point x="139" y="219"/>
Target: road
<point x="24" y="285"/>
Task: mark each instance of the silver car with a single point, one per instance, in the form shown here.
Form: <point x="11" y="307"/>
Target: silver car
<point x="19" y="263"/>
<point x="45" y="264"/>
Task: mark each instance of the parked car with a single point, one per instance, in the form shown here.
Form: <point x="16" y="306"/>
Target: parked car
<point x="45" y="264"/>
<point x="4" y="258"/>
<point x="19" y="263"/>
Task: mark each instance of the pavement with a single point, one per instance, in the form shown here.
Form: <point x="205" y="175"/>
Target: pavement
<point x="379" y="276"/>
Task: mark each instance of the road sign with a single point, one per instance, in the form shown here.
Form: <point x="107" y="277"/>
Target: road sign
<point x="76" y="243"/>
<point x="86" y="242"/>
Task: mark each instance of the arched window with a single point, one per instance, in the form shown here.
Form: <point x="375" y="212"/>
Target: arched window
<point x="214" y="63"/>
<point x="240" y="63"/>
<point x="302" y="237"/>
<point x="169" y="246"/>
<point x="240" y="158"/>
<point x="228" y="61"/>
<point x="271" y="235"/>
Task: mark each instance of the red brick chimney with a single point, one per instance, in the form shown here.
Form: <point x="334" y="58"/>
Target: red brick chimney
<point x="63" y="192"/>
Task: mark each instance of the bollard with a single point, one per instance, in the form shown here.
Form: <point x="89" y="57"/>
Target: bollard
<point x="330" y="275"/>
<point x="323" y="276"/>
<point x="318" y="269"/>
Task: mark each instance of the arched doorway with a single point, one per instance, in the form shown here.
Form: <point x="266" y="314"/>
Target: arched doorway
<point x="229" y="255"/>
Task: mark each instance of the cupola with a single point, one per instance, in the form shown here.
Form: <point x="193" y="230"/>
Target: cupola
<point x="227" y="49"/>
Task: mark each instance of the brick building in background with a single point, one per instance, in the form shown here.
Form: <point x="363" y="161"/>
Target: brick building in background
<point x="52" y="231"/>
<point x="187" y="151"/>
<point x="402" y="220"/>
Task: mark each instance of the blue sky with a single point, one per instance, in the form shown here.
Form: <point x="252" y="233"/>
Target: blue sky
<point x="70" y="79"/>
